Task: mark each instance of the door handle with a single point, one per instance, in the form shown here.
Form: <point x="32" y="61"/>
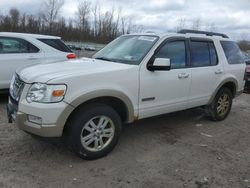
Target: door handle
<point x="219" y="71"/>
<point x="183" y="75"/>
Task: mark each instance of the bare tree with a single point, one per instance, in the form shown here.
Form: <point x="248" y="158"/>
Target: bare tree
<point x="51" y="10"/>
<point x="211" y="27"/>
<point x="125" y="23"/>
<point x="137" y="28"/>
<point x="95" y="24"/>
<point x="181" y="24"/>
<point x="116" y="28"/>
<point x="101" y="27"/>
<point x="83" y="11"/>
<point x="14" y="17"/>
<point x="244" y="43"/>
<point x="196" y="24"/>
<point x="23" y="21"/>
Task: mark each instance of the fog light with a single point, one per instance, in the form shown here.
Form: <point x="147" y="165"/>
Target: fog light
<point x="35" y="119"/>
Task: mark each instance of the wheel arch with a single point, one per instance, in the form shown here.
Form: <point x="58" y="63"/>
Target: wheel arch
<point x="230" y="83"/>
<point x="116" y="99"/>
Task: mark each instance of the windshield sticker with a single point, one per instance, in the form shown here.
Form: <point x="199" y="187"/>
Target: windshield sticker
<point x="147" y="38"/>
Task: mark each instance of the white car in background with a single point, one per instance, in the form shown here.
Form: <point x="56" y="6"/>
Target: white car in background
<point x="21" y="49"/>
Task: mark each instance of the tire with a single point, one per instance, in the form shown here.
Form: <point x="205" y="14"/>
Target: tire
<point x="84" y="138"/>
<point x="220" y="107"/>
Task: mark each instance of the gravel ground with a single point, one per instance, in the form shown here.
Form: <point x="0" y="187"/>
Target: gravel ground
<point x="181" y="149"/>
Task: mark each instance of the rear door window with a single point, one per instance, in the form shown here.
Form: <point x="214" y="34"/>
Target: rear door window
<point x="10" y="45"/>
<point x="200" y="56"/>
<point x="203" y="53"/>
<point x="57" y="44"/>
<point x="232" y="52"/>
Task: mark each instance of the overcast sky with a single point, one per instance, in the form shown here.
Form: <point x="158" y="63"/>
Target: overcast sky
<point x="229" y="16"/>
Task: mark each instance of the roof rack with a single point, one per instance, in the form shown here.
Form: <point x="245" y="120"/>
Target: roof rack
<point x="185" y="31"/>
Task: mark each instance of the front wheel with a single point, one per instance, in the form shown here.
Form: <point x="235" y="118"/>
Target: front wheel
<point x="93" y="131"/>
<point x="219" y="109"/>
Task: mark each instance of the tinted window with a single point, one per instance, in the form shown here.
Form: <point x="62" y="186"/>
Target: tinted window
<point x="176" y="52"/>
<point x="232" y="52"/>
<point x="57" y="44"/>
<point x="213" y="54"/>
<point x="16" y="45"/>
<point x="200" y="54"/>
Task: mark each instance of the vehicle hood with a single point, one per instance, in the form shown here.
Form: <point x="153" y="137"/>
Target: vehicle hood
<point x="85" y="66"/>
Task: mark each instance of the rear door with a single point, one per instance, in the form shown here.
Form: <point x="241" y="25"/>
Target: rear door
<point x="15" y="53"/>
<point x="206" y="70"/>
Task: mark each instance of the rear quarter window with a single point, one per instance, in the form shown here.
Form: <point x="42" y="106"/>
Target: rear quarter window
<point x="57" y="44"/>
<point x="232" y="52"/>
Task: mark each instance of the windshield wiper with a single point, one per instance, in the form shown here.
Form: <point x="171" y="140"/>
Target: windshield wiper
<point x="103" y="58"/>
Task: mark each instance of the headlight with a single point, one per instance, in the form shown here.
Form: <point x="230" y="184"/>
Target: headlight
<point x="44" y="93"/>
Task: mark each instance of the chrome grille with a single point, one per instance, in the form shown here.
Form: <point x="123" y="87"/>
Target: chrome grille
<point x="16" y="87"/>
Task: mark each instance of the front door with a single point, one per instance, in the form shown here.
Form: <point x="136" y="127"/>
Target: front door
<point x="166" y="91"/>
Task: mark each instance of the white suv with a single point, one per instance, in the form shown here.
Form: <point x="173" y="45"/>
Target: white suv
<point x="20" y="49"/>
<point x="136" y="76"/>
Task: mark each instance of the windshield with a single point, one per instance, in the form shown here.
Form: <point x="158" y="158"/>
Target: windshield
<point x="127" y="49"/>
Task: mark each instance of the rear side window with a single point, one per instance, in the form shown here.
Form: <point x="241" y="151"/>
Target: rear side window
<point x="232" y="52"/>
<point x="10" y="45"/>
<point x="57" y="44"/>
<point x="176" y="52"/>
<point x="203" y="53"/>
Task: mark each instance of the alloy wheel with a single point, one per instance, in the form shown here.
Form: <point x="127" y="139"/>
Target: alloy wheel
<point x="97" y="133"/>
<point x="223" y="104"/>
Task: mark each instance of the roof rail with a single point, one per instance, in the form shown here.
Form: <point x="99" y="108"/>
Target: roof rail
<point x="185" y="31"/>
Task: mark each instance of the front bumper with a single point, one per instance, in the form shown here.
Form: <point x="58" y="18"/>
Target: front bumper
<point x="40" y="130"/>
<point x="54" y="117"/>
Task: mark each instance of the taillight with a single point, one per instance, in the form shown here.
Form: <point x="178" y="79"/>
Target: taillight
<point x="71" y="56"/>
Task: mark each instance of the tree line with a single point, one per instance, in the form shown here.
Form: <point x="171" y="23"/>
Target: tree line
<point x="90" y="23"/>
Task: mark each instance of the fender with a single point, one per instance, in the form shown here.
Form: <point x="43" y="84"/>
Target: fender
<point x="221" y="84"/>
<point x="106" y="93"/>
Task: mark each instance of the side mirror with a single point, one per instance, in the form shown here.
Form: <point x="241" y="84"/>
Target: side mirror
<point x="159" y="64"/>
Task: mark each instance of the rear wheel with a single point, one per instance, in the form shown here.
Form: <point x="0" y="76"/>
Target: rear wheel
<point x="219" y="109"/>
<point x="93" y="131"/>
